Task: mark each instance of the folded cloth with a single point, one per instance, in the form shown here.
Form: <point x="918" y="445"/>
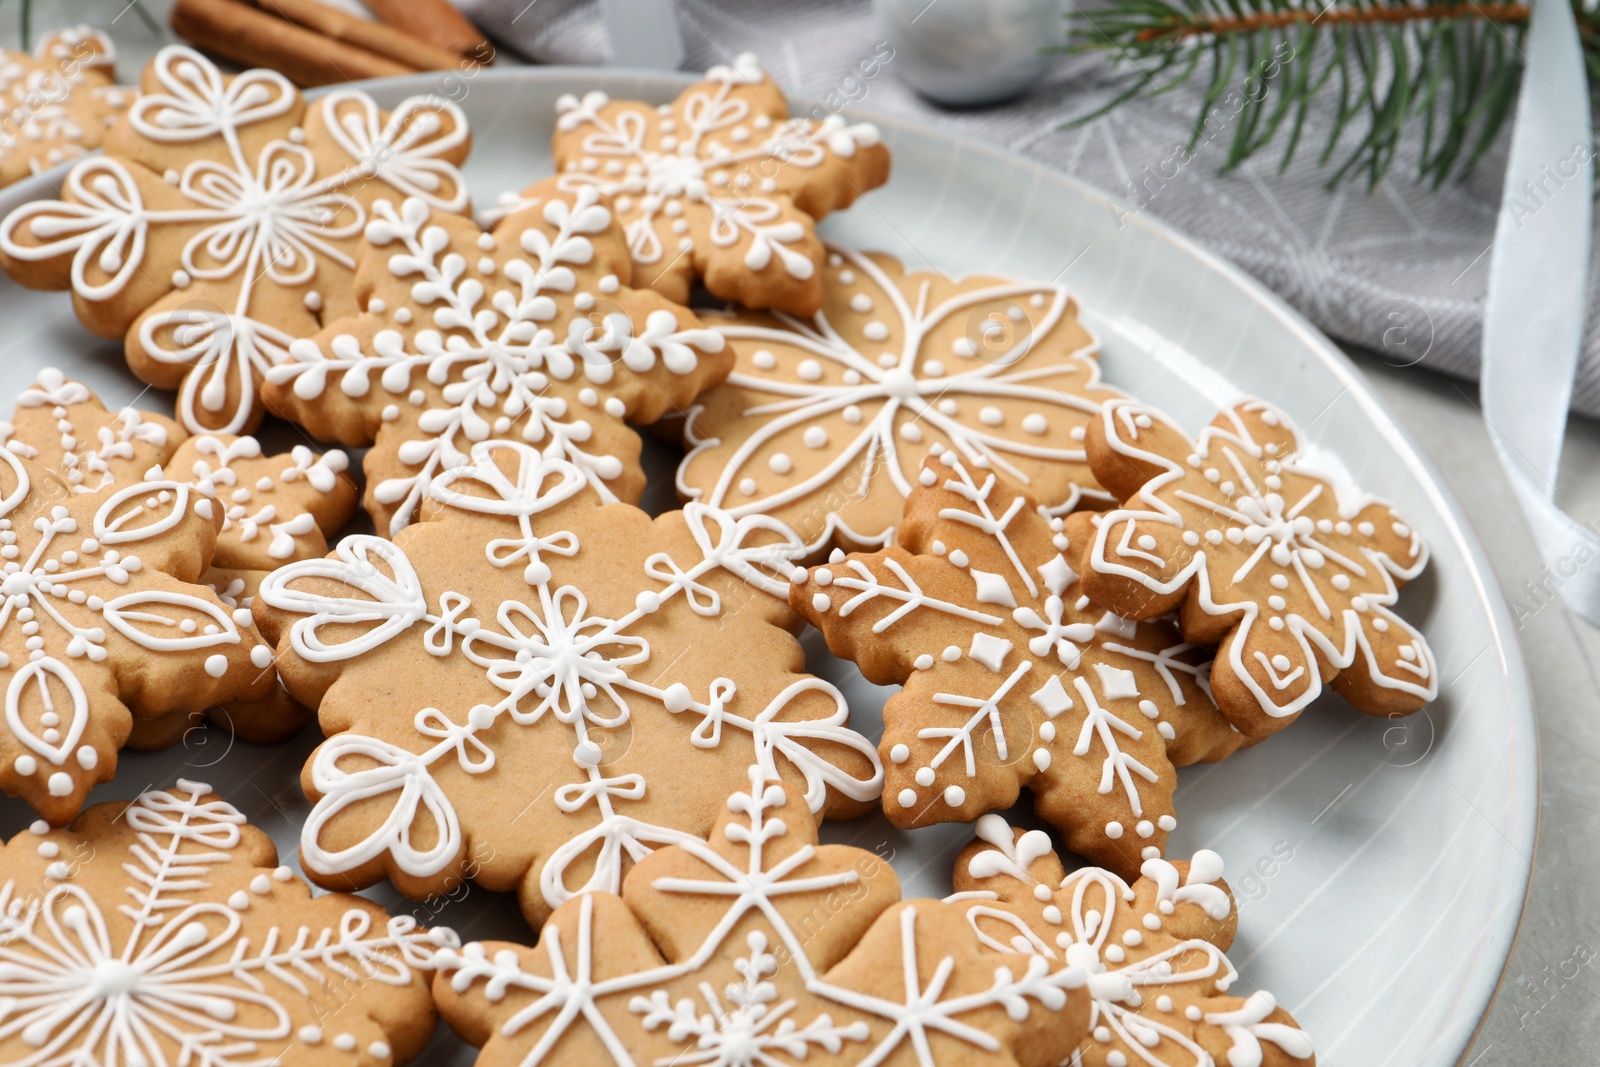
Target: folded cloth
<point x="1401" y="270"/>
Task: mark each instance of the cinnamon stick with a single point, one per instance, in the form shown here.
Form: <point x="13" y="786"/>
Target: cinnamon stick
<point x="248" y="35"/>
<point x="386" y="41"/>
<point x="437" y="21"/>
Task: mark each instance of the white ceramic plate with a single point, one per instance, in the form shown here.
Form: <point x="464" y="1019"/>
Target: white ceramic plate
<point x="1380" y="866"/>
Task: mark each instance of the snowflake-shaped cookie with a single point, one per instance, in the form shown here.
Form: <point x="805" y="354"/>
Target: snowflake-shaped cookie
<point x="164" y="932"/>
<point x="1011" y="677"/>
<point x="760" y="948"/>
<point x="528" y="635"/>
<point x="1292" y="572"/>
<point x="824" y="422"/>
<point x="275" y="508"/>
<point x="526" y="333"/>
<point x="222" y="222"/>
<point x="1153" y="952"/>
<point x="99" y="622"/>
<point x="57" y="101"/>
<point x="720" y="187"/>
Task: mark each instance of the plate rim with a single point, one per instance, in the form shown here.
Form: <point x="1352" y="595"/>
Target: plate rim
<point x="1523" y="808"/>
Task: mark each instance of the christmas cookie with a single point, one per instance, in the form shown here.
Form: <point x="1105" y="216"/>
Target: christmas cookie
<point x="534" y="673"/>
<point x="720" y="187"/>
<point x="101" y="624"/>
<point x="1011" y="677"/>
<point x="824" y="422"/>
<point x="1294" y="574"/>
<point x="761" y="947"/>
<point x="527" y="333"/>
<point x="164" y="932"/>
<point x="58" y="100"/>
<point x="275" y="508"/>
<point x="1153" y="951"/>
<point x="222" y="223"/>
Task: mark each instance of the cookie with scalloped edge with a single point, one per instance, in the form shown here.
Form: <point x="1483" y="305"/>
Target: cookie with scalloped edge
<point x="222" y="221"/>
<point x="722" y="187"/>
<point x="529" y="332"/>
<point x="165" y="931"/>
<point x="1153" y="948"/>
<point x="536" y="675"/>
<point x="1011" y="677"/>
<point x="760" y="946"/>
<point x="824" y="421"/>
<point x="58" y="100"/>
<point x="1293" y="572"/>
<point x="101" y="622"/>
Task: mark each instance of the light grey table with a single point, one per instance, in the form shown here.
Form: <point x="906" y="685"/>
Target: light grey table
<point x="1545" y="1011"/>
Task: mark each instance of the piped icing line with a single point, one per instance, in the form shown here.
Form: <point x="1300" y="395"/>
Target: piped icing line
<point x="553" y="661"/>
<point x="1225" y="496"/>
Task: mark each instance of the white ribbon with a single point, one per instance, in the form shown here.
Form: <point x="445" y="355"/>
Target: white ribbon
<point x="1534" y="316"/>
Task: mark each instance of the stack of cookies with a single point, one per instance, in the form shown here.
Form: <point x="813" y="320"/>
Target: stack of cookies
<point x="525" y="680"/>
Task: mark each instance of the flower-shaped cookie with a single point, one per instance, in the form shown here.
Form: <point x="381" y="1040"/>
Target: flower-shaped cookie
<point x="58" y="101"/>
<point x="760" y="948"/>
<point x="222" y="222"/>
<point x="1153" y="951"/>
<point x="720" y="187"/>
<point x="165" y="932"/>
<point x="1291" y="571"/>
<point x="275" y="508"/>
<point x="527" y="636"/>
<point x="825" y="421"/>
<point x="1011" y="677"/>
<point x="526" y="333"/>
<point x="100" y="622"/>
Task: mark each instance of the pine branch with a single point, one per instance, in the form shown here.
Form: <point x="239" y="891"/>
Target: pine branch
<point x="1446" y="73"/>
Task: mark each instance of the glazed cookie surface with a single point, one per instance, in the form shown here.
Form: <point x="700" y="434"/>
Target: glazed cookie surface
<point x="222" y="222"/>
<point x="825" y="420"/>
<point x="528" y="333"/>
<point x="760" y="946"/>
<point x="1154" y="949"/>
<point x="165" y="932"/>
<point x="1011" y="678"/>
<point x="1294" y="574"/>
<point x="721" y="187"/>
<point x="559" y="684"/>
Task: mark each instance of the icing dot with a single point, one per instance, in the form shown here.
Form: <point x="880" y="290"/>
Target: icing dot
<point x="378" y="1050"/>
<point x="1035" y="423"/>
<point x="933" y="368"/>
<point x="261" y="656"/>
<point x="1193" y="1013"/>
<point x="911" y="431"/>
<point x="57" y="870"/>
<point x="861" y="302"/>
<point x="821" y="602"/>
<point x="747" y="486"/>
<point x="780" y="463"/>
<point x="925" y="777"/>
<point x="25" y="765"/>
<point x="60" y="784"/>
<point x="951" y="653"/>
<point x="345" y="1042"/>
<point x="955" y="796"/>
<point x="764" y="360"/>
<point x="923" y="662"/>
<point x="88" y="758"/>
<point x="809" y="370"/>
<point x="1276" y="602"/>
<point x="217" y="665"/>
<point x="311" y="1035"/>
<point x="49" y="849"/>
<point x="815" y="437"/>
<point x="851" y="415"/>
<point x="38" y="827"/>
<point x="1167" y="823"/>
<point x="1366" y="529"/>
<point x="1280" y="662"/>
<point x="875" y="331"/>
<point x="1114" y="830"/>
<point x="615" y="407"/>
<point x="1341" y="582"/>
<point x="1279" y="581"/>
<point x="991" y="416"/>
<point x="907" y="798"/>
<point x="899" y="754"/>
<point x="1144" y="828"/>
<point x="1147" y="542"/>
<point x="1191" y="538"/>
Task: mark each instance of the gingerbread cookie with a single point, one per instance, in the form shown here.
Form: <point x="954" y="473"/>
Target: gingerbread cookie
<point x="165" y="932"/>
<point x="761" y="947"/>
<point x="1153" y="951"/>
<point x="825" y="421"/>
<point x="222" y="223"/>
<point x="535" y="672"/>
<point x="527" y="333"/>
<point x="1292" y="573"/>
<point x="1012" y="678"/>
<point x="275" y="508"/>
<point x="58" y="100"/>
<point x="100" y="623"/>
<point x="721" y="187"/>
